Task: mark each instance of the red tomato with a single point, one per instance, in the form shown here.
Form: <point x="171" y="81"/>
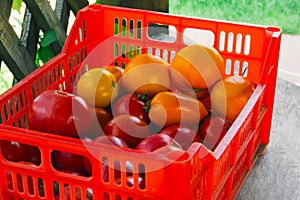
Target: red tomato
<point x="17" y="152"/>
<point x="183" y="135"/>
<point x="207" y="102"/>
<point x="12" y="151"/>
<point x="157" y="141"/>
<point x="132" y="105"/>
<point x="33" y="154"/>
<point x="100" y="117"/>
<point x="212" y="130"/>
<point x="59" y="113"/>
<point x="68" y="162"/>
<point x="129" y="128"/>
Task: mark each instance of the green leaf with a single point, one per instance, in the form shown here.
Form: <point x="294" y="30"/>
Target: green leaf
<point x="45" y="53"/>
<point x="17" y="5"/>
<point x="49" y="38"/>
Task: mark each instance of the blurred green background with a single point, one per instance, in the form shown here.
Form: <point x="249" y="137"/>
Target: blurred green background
<point x="281" y="13"/>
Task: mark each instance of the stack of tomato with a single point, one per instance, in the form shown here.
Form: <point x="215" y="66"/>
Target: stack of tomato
<point x="150" y="106"/>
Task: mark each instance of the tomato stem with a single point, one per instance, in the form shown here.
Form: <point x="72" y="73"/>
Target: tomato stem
<point x="196" y="89"/>
<point x="142" y="97"/>
<point x="147" y="107"/>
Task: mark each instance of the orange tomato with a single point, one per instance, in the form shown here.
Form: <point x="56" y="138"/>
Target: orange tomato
<point x="146" y="73"/>
<point x="196" y="66"/>
<point x="116" y="71"/>
<point x="230" y="95"/>
<point x="168" y="108"/>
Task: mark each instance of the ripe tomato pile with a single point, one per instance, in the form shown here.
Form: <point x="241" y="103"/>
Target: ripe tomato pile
<point x="150" y="106"/>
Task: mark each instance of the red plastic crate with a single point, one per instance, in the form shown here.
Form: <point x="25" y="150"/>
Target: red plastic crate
<point x="122" y="34"/>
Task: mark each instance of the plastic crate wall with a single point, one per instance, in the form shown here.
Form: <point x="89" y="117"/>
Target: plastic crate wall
<point x="217" y="175"/>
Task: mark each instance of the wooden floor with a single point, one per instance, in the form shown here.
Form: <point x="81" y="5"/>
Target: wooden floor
<point x="276" y="175"/>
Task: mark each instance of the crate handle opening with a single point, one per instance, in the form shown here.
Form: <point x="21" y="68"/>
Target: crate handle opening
<point x="162" y="32"/>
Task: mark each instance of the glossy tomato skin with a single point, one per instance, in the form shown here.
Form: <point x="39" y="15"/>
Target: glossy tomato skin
<point x="155" y="142"/>
<point x="169" y="108"/>
<point x="146" y="73"/>
<point x="183" y="135"/>
<point x="68" y="162"/>
<point x="129" y="128"/>
<point x="59" y="113"/>
<point x="132" y="105"/>
<point x="19" y="152"/>
<point x="100" y="117"/>
<point x="33" y="154"/>
<point x="230" y="95"/>
<point x="212" y="130"/>
<point x="98" y="87"/>
<point x="12" y="151"/>
<point x="116" y="71"/>
<point x="199" y="65"/>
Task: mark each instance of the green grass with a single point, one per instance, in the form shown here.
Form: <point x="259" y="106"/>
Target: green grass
<point x="281" y="13"/>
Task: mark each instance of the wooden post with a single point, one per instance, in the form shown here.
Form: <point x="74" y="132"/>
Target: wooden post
<point x="46" y="19"/>
<point x="110" y="2"/>
<point x="62" y="11"/>
<point x="30" y="34"/>
<point x="76" y="5"/>
<point x="13" y="53"/>
<point x="5" y="9"/>
<point x="161" y="6"/>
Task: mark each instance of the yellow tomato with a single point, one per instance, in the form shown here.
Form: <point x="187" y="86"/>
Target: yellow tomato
<point x="98" y="87"/>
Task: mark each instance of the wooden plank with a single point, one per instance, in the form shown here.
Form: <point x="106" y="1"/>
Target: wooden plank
<point x="5" y="8"/>
<point x="110" y="2"/>
<point x="46" y="19"/>
<point x="30" y="33"/>
<point x="13" y="53"/>
<point x="62" y="11"/>
<point x="76" y="5"/>
<point x="161" y="6"/>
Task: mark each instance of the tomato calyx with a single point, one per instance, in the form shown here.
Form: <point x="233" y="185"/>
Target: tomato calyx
<point x="147" y="106"/>
<point x="144" y="97"/>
